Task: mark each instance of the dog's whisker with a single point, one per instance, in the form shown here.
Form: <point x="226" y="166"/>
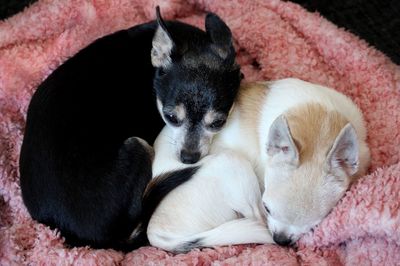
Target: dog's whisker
<point x="170" y="141"/>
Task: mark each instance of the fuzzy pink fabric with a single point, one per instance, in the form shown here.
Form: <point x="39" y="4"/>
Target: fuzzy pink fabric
<point x="274" y="39"/>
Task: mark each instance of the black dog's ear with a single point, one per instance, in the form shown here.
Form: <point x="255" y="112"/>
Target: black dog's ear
<point x="162" y="44"/>
<point x="220" y="36"/>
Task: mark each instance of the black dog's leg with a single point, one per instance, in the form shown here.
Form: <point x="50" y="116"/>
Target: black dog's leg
<point x="141" y="153"/>
<point x="123" y="204"/>
<point x="134" y="162"/>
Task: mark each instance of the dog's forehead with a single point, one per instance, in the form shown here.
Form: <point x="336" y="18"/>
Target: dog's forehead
<point x="198" y="87"/>
<point x="206" y="68"/>
<point x="198" y="51"/>
<point x="195" y="60"/>
<point x="196" y="109"/>
<point x="199" y="90"/>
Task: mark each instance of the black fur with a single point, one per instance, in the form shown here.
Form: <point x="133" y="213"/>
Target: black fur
<point x="154" y="195"/>
<point x="203" y="76"/>
<point x="188" y="246"/>
<point x="212" y="82"/>
<point x="81" y="171"/>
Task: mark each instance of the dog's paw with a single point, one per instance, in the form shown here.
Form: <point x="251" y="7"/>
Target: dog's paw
<point x="133" y="141"/>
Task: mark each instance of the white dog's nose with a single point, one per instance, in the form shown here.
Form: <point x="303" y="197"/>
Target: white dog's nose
<point x="282" y="239"/>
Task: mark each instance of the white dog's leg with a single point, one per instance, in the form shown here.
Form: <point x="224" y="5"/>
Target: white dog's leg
<point x="239" y="185"/>
<point x="235" y="190"/>
<point x="239" y="231"/>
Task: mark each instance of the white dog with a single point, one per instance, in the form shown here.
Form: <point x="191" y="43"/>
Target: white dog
<point x="307" y="143"/>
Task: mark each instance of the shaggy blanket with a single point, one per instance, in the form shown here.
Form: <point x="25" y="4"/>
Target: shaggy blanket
<point x="274" y="39"/>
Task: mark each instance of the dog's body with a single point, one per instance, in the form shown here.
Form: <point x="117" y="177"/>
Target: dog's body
<point x="306" y="144"/>
<point x="81" y="169"/>
<point x="220" y="205"/>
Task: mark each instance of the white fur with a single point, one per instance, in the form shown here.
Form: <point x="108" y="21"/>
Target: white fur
<point x="243" y="140"/>
<point x="220" y="205"/>
<point x="282" y="95"/>
<point x="288" y="93"/>
<point x="297" y="202"/>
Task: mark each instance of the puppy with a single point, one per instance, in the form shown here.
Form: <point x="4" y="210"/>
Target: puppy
<point x="82" y="171"/>
<point x="307" y="144"/>
<point x="219" y="205"/>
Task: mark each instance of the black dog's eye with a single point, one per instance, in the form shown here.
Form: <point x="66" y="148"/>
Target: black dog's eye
<point x="217" y="124"/>
<point x="172" y="119"/>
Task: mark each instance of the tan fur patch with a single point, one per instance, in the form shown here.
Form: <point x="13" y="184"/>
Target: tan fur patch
<point x="314" y="130"/>
<point x="210" y="117"/>
<point x="250" y="100"/>
<point x="180" y="111"/>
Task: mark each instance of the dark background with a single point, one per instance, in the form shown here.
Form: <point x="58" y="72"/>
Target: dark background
<point x="376" y="21"/>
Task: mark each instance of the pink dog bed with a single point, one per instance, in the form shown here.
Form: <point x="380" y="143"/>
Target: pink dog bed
<point x="274" y="39"/>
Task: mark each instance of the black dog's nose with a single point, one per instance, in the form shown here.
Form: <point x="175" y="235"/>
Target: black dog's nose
<point x="282" y="240"/>
<point x="189" y="157"/>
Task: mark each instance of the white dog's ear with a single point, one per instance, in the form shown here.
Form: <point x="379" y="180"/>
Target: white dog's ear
<point x="280" y="144"/>
<point x="162" y="44"/>
<point x="343" y="155"/>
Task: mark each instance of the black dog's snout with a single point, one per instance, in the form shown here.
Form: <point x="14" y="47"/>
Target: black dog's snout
<point x="282" y="240"/>
<point x="189" y="157"/>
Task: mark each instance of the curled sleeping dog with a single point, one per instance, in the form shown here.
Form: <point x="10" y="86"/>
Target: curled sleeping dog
<point x="306" y="144"/>
<point x="85" y="161"/>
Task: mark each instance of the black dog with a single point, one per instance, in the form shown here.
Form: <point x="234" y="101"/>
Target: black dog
<point x="81" y="170"/>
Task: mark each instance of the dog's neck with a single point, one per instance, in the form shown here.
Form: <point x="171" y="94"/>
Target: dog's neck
<point x="241" y="132"/>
